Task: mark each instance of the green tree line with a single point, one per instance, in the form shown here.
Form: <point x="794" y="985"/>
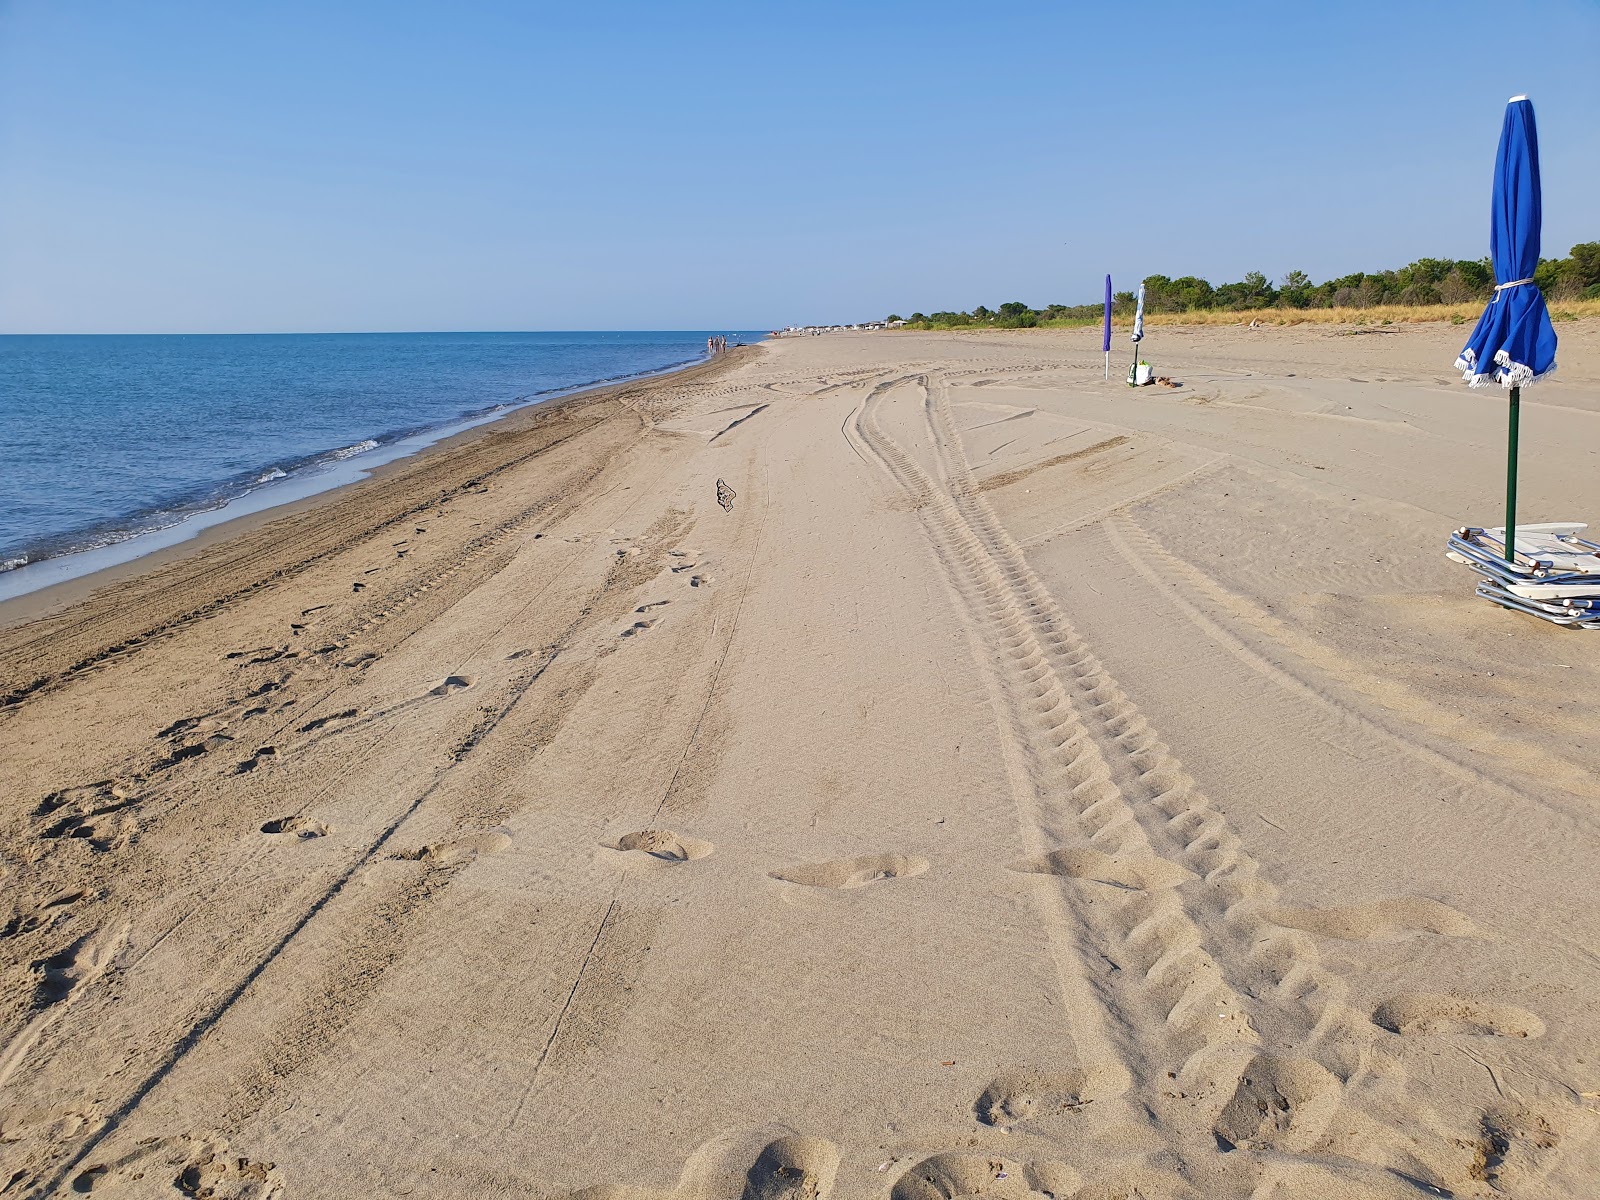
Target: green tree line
<point x="1426" y="281"/>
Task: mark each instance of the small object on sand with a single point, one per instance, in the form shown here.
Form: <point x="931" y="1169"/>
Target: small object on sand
<point x="725" y="495"/>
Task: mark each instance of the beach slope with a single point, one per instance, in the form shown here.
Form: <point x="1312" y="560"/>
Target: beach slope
<point x="903" y="765"/>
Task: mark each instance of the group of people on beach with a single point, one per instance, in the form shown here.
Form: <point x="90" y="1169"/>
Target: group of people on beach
<point x="716" y="345"/>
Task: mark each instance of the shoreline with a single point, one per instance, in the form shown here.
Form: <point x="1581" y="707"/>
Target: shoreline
<point x="52" y="598"/>
<point x="335" y="469"/>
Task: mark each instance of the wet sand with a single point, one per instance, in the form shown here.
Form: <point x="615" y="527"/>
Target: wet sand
<point x="1024" y="785"/>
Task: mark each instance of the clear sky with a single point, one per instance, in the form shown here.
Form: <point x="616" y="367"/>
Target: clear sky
<point x="279" y="165"/>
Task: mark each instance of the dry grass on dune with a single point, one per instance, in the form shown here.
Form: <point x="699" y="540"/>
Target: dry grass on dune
<point x="1390" y="314"/>
<point x="1387" y="314"/>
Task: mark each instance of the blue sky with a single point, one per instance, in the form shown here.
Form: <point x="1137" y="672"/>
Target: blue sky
<point x="283" y="166"/>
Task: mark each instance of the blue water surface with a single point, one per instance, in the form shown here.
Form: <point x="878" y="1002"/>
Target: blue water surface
<point x="107" y="438"/>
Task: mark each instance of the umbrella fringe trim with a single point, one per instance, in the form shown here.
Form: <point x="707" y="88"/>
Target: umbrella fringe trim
<point x="1507" y="374"/>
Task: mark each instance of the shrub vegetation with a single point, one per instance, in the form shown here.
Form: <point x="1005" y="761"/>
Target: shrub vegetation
<point x="1428" y="289"/>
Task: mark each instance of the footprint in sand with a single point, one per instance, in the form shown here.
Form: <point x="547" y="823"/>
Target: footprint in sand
<point x="203" y="1167"/>
<point x="1382" y="919"/>
<point x="452" y="683"/>
<point x="1135" y="872"/>
<point x="37" y="916"/>
<point x="699" y="581"/>
<point x="100" y="813"/>
<point x="1280" y="1103"/>
<point x="950" y="1176"/>
<point x="637" y="628"/>
<point x="1420" y="1013"/>
<point x="89" y="800"/>
<point x="1018" y="1097"/>
<point x="459" y="849"/>
<point x="300" y="827"/>
<point x="264" y="754"/>
<point x="31" y="1133"/>
<point x="232" y="654"/>
<point x="318" y="723"/>
<point x="210" y="723"/>
<point x="1517" y="1146"/>
<point x="844" y="873"/>
<point x="71" y="968"/>
<point x="665" y="845"/>
<point x="792" y="1168"/>
<point x="652" y="604"/>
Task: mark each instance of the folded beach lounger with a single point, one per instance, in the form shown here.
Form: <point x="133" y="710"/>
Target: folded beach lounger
<point x="1583" y="607"/>
<point x="1529" y="586"/>
<point x="1574" y="618"/>
<point x="1555" y="575"/>
<point x="1553" y="547"/>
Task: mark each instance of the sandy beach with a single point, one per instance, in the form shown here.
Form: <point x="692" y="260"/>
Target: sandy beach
<point x="1018" y="784"/>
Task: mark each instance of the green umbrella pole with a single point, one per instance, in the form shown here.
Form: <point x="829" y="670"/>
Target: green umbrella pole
<point x="1511" y="477"/>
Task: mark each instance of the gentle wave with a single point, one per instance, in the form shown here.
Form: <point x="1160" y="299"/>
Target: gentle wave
<point x="286" y="393"/>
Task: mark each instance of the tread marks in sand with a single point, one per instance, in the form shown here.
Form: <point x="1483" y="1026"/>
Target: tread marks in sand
<point x="1255" y="1041"/>
<point x="333" y="1001"/>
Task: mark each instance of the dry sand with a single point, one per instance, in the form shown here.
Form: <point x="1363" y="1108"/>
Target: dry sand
<point x="1029" y="786"/>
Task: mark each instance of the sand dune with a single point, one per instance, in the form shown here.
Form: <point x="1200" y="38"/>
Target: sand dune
<point x="1015" y="785"/>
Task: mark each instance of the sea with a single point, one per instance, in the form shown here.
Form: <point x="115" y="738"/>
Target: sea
<point x="112" y="446"/>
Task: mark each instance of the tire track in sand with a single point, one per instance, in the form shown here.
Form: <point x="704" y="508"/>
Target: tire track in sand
<point x="1146" y="555"/>
<point x="1233" y="1033"/>
<point x="381" y="941"/>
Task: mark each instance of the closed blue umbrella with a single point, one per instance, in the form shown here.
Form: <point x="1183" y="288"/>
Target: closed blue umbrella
<point x="1514" y="343"/>
<point x="1107" y="346"/>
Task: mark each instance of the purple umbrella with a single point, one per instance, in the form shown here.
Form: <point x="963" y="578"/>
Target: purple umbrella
<point x="1107" y="346"/>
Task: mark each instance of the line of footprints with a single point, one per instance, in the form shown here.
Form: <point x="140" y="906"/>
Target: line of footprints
<point x="1412" y="1013"/>
<point x="1018" y="1100"/>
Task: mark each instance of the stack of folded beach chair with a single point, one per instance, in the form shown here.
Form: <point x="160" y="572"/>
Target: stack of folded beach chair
<point x="1554" y="573"/>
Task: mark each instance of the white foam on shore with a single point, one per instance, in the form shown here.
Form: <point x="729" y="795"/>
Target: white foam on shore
<point x="273" y="488"/>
